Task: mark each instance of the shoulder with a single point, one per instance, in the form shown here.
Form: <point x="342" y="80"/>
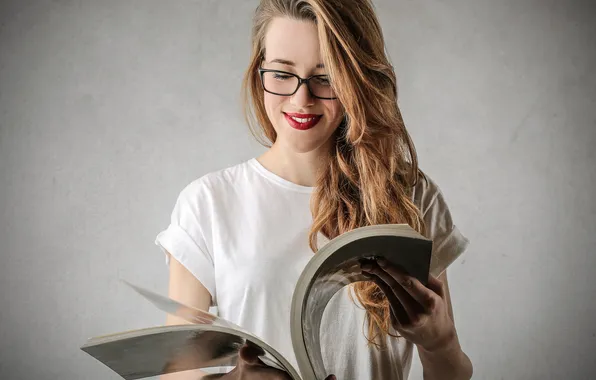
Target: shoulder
<point x="426" y="193"/>
<point x="430" y="200"/>
<point x="216" y="183"/>
<point x="448" y="241"/>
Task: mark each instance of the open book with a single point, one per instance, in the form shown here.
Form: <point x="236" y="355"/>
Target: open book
<point x="211" y="342"/>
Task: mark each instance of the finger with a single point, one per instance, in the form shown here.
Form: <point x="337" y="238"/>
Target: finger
<point x="408" y="302"/>
<point x="249" y="353"/>
<point x="436" y="286"/>
<point x="423" y="295"/>
<point x="331" y="377"/>
<point x="399" y="315"/>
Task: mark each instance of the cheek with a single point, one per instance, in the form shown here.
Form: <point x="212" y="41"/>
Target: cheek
<point x="335" y="110"/>
<point x="272" y="104"/>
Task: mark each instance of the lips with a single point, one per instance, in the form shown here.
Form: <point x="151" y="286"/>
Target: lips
<point x="302" y="121"/>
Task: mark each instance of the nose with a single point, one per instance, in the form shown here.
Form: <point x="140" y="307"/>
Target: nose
<point x="302" y="97"/>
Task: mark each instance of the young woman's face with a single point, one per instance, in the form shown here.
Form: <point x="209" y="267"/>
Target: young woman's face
<point x="303" y="122"/>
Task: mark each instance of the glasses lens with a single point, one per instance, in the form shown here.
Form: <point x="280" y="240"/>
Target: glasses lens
<point x="279" y="83"/>
<point x="321" y="87"/>
<point x="285" y="84"/>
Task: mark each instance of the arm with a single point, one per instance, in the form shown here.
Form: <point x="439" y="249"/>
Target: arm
<point x="447" y="361"/>
<point x="185" y="288"/>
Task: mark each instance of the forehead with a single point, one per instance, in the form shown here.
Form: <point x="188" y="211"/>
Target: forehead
<point x="293" y="40"/>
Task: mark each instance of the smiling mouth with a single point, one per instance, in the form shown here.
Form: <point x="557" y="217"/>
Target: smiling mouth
<point x="302" y="122"/>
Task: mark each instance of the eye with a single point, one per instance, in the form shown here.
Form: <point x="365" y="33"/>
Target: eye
<point x="322" y="81"/>
<point x="281" y="77"/>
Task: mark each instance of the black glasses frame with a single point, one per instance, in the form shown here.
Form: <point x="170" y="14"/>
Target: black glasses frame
<point x="300" y="82"/>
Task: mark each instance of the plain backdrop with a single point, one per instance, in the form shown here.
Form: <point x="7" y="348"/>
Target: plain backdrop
<point x="109" y="108"/>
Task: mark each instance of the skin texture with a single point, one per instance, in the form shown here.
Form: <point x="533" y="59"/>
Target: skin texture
<point x="296" y="153"/>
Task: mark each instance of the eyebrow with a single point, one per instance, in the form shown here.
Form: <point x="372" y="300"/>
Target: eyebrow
<point x="290" y="63"/>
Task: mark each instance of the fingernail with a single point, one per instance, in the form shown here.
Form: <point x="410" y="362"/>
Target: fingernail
<point x="366" y="267"/>
<point x="382" y="262"/>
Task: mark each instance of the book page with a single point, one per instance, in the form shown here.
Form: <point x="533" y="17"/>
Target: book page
<point x="337" y="265"/>
<point x="197" y="316"/>
<point x="209" y="342"/>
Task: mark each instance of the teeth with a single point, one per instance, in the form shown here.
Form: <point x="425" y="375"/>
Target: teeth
<point x="300" y="120"/>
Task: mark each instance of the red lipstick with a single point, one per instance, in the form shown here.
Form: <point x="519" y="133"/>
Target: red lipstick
<point x="302" y="121"/>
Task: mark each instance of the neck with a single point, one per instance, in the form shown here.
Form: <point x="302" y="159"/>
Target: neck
<point x="299" y="168"/>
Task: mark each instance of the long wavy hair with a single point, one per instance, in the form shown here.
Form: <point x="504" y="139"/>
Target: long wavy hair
<point x="373" y="165"/>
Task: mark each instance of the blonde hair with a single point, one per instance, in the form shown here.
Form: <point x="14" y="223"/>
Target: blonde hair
<point x="373" y="165"/>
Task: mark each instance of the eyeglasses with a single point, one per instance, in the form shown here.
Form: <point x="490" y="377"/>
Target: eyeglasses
<point x="287" y="84"/>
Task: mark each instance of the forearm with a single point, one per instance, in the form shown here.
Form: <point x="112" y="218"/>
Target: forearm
<point x="446" y="363"/>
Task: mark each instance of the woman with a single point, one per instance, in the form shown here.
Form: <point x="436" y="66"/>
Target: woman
<point x="320" y="88"/>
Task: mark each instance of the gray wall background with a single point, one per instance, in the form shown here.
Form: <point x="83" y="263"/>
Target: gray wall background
<point x="109" y="108"/>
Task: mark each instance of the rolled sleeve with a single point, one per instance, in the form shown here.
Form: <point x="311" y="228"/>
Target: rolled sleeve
<point x="448" y="241"/>
<point x="184" y="238"/>
<point x="177" y="242"/>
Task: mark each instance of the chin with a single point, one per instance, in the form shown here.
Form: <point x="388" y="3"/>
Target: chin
<point x="304" y="141"/>
<point x="301" y="144"/>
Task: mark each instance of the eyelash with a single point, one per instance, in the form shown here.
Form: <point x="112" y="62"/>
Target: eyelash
<point x="324" y="81"/>
<point x="281" y="76"/>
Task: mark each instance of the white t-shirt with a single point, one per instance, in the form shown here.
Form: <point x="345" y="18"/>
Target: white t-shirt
<point x="243" y="233"/>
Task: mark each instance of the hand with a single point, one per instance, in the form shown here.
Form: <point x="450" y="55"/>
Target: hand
<point x="418" y="313"/>
<point x="249" y="367"/>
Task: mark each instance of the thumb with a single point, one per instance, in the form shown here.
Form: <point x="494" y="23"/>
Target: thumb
<point x="249" y="353"/>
